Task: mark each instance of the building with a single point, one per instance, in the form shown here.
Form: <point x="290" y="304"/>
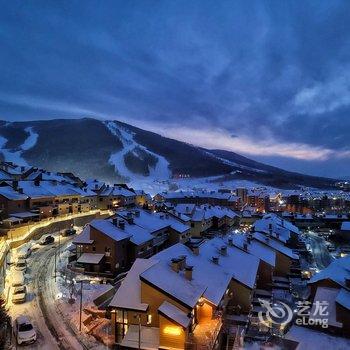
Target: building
<point x="179" y="297"/>
<point x="332" y="286"/>
<point x="111" y="246"/>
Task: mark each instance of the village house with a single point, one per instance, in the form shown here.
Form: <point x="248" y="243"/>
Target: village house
<point x="111" y="246"/>
<point x="331" y="287"/>
<point x="178" y="298"/>
<point x="116" y="196"/>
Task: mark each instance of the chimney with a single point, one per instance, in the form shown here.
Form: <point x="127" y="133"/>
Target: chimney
<point x="188" y="272"/>
<point x="230" y="241"/>
<point x="347" y="282"/>
<point x="215" y="260"/>
<point x="195" y="250"/>
<point x="15" y="184"/>
<point x="223" y="250"/>
<point x="277" y="235"/>
<point x="22" y="168"/>
<point x="175" y="264"/>
<point x="249" y="239"/>
<point x="115" y="222"/>
<point x="167" y="216"/>
<point x="182" y="261"/>
<point x="137" y="213"/>
<point x="37" y="182"/>
<point x="245" y="245"/>
<point x="270" y="229"/>
<point x="20" y="190"/>
<point x="122" y="224"/>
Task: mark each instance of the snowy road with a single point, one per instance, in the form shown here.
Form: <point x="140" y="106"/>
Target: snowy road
<point x="320" y="252"/>
<point x="40" y="306"/>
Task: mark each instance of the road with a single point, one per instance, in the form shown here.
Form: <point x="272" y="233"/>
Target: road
<point x="40" y="306"/>
<point x="321" y="255"/>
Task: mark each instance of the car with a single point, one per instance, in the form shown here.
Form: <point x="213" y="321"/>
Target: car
<point x="48" y="239"/>
<point x="24" y="252"/>
<point x="21" y="265"/>
<point x="69" y="232"/>
<point x="19" y="295"/>
<point x="17" y="279"/>
<point x="24" y="331"/>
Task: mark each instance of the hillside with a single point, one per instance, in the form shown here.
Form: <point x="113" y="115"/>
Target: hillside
<point x="114" y="151"/>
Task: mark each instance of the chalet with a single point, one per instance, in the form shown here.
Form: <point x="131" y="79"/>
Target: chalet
<point x="179" y="297"/>
<point x="113" y="197"/>
<point x="332" y="285"/>
<point x="129" y="235"/>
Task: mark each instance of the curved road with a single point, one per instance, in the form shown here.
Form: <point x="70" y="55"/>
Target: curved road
<point x="321" y="255"/>
<point x="40" y="306"/>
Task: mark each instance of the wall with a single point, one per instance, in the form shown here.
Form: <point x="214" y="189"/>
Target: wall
<point x="173" y="341"/>
<point x="154" y="299"/>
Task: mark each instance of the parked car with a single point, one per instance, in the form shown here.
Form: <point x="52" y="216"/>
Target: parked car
<point x="48" y="239"/>
<point x="21" y="265"/>
<point x="19" y="295"/>
<point x="69" y="232"/>
<point x="23" y="330"/>
<point x="24" y="252"/>
<point x="17" y="279"/>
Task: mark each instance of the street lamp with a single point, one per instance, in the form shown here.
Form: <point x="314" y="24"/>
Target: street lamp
<point x="81" y="300"/>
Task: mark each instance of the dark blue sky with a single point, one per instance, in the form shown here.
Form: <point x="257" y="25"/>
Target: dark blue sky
<point x="268" y="79"/>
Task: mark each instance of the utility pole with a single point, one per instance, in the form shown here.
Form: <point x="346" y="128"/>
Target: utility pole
<point x="55" y="266"/>
<point x="139" y="317"/>
<point x="81" y="304"/>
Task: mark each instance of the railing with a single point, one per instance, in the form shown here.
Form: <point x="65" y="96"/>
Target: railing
<point x="159" y="240"/>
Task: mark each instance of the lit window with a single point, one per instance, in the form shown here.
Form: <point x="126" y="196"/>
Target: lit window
<point x="149" y="319"/>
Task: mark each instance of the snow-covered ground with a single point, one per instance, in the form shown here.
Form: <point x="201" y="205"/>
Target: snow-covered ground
<point x="161" y="169"/>
<point x="313" y="340"/>
<point x="15" y="156"/>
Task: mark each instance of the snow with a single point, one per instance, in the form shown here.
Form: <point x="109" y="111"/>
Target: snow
<point x="329" y="295"/>
<point x="128" y="296"/>
<point x="343" y="298"/>
<point x="15" y="156"/>
<point x="255" y="248"/>
<point x="161" y="170"/>
<point x="10" y="193"/>
<point x="345" y="226"/>
<point x="149" y="338"/>
<point x="274" y="244"/>
<point x="338" y="271"/>
<point x="90" y="258"/>
<point x="108" y="228"/>
<point x="207" y="277"/>
<point x="312" y="340"/>
<point x="174" y="314"/>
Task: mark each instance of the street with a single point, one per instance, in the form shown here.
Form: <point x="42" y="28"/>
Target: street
<point x="322" y="257"/>
<point x="39" y="306"/>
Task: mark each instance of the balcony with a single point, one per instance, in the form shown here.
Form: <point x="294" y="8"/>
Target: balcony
<point x="160" y="239"/>
<point x="205" y="334"/>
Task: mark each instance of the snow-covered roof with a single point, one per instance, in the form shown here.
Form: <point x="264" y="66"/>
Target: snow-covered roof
<point x="128" y="295"/>
<point x="343" y="298"/>
<point x="109" y="229"/>
<point x="198" y="194"/>
<point x="274" y="244"/>
<point x="327" y="295"/>
<point x="116" y="191"/>
<point x="338" y="271"/>
<point x="345" y="226"/>
<point x="83" y="237"/>
<point x="90" y="258"/>
<point x="174" y="313"/>
<point x="277" y="227"/>
<point x="9" y="193"/>
<point x="255" y="248"/>
<point x="208" y="277"/>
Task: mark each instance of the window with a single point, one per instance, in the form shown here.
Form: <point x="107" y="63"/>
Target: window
<point x="149" y="319"/>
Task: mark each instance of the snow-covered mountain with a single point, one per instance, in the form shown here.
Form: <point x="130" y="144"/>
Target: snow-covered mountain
<point x="113" y="151"/>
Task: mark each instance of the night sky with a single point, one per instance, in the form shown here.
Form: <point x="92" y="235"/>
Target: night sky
<point x="267" y="79"/>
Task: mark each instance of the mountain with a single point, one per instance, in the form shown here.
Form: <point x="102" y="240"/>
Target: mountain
<point x="114" y="151"/>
